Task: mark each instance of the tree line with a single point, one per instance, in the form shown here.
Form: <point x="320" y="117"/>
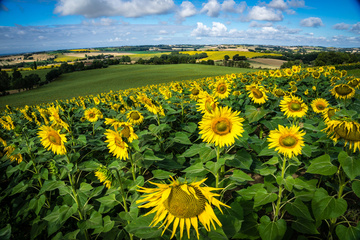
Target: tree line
<point x="173" y="58"/>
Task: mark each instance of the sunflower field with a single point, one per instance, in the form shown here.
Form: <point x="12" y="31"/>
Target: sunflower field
<point x="264" y="155"/>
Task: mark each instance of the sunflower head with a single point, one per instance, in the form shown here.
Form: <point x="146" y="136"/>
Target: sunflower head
<point x="345" y="129"/>
<point x="116" y="145"/>
<point x="293" y="106"/>
<point x="104" y="175"/>
<point x="257" y="94"/>
<point x="343" y="91"/>
<point x="9" y="152"/>
<point x="182" y="204"/>
<point x="52" y="140"/>
<point x="221" y="127"/>
<point x="287" y="140"/>
<point x="328" y="113"/>
<point x="221" y="89"/>
<point x="319" y="105"/>
<point x="135" y="117"/>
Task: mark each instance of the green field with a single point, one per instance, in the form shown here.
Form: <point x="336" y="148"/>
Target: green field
<point x="112" y="78"/>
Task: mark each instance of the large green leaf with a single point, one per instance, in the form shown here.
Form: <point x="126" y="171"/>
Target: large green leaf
<point x="249" y="192"/>
<point x="214" y="167"/>
<point x="5" y="233"/>
<point x="262" y="197"/>
<point x="327" y="207"/>
<point x="242" y="160"/>
<point x="240" y="176"/>
<point x="303" y="225"/>
<point x="196" y="168"/>
<point x="322" y="165"/>
<point x="298" y="209"/>
<point x="181" y="137"/>
<point x="254" y="114"/>
<point x="356" y="188"/>
<point x="271" y="230"/>
<point x="141" y="229"/>
<point x="149" y="155"/>
<point x="348" y="233"/>
<point x="59" y="216"/>
<point x="161" y="174"/>
<point x="350" y="165"/>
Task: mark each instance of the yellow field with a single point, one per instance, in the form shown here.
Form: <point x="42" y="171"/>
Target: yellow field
<point x="83" y="50"/>
<point x="219" y="55"/>
<point x="64" y="58"/>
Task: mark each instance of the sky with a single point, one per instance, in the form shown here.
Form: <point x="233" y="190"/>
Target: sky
<point x="42" y="25"/>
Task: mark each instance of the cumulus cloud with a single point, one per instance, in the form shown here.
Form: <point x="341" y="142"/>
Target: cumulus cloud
<point x="187" y="9"/>
<point x="101" y="22"/>
<point x="211" y="8"/>
<point x="311" y="22"/>
<point x="126" y="8"/>
<point x="278" y="4"/>
<point x="356" y="28"/>
<point x="296" y="3"/>
<point x="264" y="14"/>
<point x="341" y="26"/>
<point x="217" y="30"/>
<point x="231" y="6"/>
<point x="255" y="24"/>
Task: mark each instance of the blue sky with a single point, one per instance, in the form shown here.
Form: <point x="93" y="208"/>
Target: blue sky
<point x="40" y="25"/>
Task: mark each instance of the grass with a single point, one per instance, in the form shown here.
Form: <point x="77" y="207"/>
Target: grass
<point x="117" y="77"/>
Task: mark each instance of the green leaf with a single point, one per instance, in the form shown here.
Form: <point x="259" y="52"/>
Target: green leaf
<point x="298" y="209"/>
<point x="5" y="233"/>
<point x="196" y="168"/>
<point x="322" y="165"/>
<point x="39" y="203"/>
<point x="250" y="192"/>
<point x="242" y="160"/>
<point x="348" y="233"/>
<point x="215" y="166"/>
<point x="71" y="235"/>
<point x="181" y="137"/>
<point x="108" y="224"/>
<point x="266" y="151"/>
<point x="161" y="174"/>
<point x="193" y="150"/>
<point x="270" y="230"/>
<point x="350" y="165"/>
<point x="311" y="127"/>
<point x="20" y="187"/>
<point x="149" y="155"/>
<point x="327" y="207"/>
<point x="95" y="221"/>
<point x="109" y="201"/>
<point x="306" y="151"/>
<point x="190" y="127"/>
<point x="59" y="216"/>
<point x="262" y="197"/>
<point x="50" y="185"/>
<point x="240" y="176"/>
<point x="356" y="188"/>
<point x="302" y="225"/>
<point x="141" y="229"/>
<point x="254" y="114"/>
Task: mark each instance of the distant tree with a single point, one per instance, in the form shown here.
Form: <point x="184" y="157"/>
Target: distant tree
<point x="226" y="57"/>
<point x="31" y="80"/>
<point x="53" y="74"/>
<point x="4" y="82"/>
<point x="236" y="57"/>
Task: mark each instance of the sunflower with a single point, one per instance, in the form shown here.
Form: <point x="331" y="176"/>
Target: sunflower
<point x="293" y="106"/>
<point x="135" y="117"/>
<point x="258" y="94"/>
<point x="9" y="151"/>
<point x="347" y="130"/>
<point x="287" y="140"/>
<point x="328" y="113"/>
<point x="92" y="114"/>
<point x="183" y="204"/>
<point x="221" y="89"/>
<point x="354" y="83"/>
<point x="206" y="103"/>
<point x="221" y="126"/>
<point x="343" y="91"/>
<point x="116" y="145"/>
<point x="52" y="140"/>
<point x="319" y="105"/>
<point x="278" y="92"/>
<point x="104" y="176"/>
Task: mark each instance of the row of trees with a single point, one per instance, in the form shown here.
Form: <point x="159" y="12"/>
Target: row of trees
<point x="173" y="58"/>
<point x="17" y="81"/>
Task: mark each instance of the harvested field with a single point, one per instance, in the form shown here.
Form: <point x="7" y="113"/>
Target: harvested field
<point x="266" y="63"/>
<point x="82" y="55"/>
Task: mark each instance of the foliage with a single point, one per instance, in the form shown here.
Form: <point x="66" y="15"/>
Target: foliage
<point x="87" y="192"/>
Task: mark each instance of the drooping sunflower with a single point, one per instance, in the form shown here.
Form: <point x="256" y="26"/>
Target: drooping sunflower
<point x="328" y="113"/>
<point x="183" y="204"/>
<point x="206" y="103"/>
<point x="258" y="94"/>
<point x="346" y="130"/>
<point x="92" y="114"/>
<point x="9" y="151"/>
<point x="221" y="89"/>
<point x="116" y="145"/>
<point x="104" y="176"/>
<point x="319" y="105"/>
<point x="343" y="91"/>
<point x="287" y="140"/>
<point x="135" y="117"/>
<point x="52" y="140"/>
<point x="293" y="106"/>
<point x="221" y="126"/>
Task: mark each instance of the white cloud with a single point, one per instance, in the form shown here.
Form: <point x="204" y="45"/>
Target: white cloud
<point x="278" y="4"/>
<point x="126" y="8"/>
<point x="101" y="22"/>
<point x="264" y="14"/>
<point x="211" y="8"/>
<point x="296" y="3"/>
<point x="356" y="28"/>
<point x="187" y="9"/>
<point x="311" y="22"/>
<point x="217" y="30"/>
<point x="255" y="24"/>
<point x="341" y="26"/>
<point x="231" y="6"/>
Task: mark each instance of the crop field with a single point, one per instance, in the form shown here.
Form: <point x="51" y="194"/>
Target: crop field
<point x="219" y="55"/>
<point x="66" y="58"/>
<point x="111" y="78"/>
<point x="248" y="155"/>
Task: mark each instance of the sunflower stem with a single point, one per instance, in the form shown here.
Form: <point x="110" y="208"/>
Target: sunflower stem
<point x="221" y="170"/>
<point x="277" y="209"/>
<point x="132" y="167"/>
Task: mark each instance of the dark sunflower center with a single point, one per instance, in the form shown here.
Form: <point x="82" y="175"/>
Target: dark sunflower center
<point x="288" y="141"/>
<point x="92" y="115"/>
<point x="221" y="88"/>
<point x="222" y="126"/>
<point x="125" y="132"/>
<point x="279" y="92"/>
<point x="331" y="113"/>
<point x="344" y="133"/>
<point x="55" y="139"/>
<point x="343" y="90"/>
<point x="257" y="93"/>
<point x="354" y="83"/>
<point x="320" y="106"/>
<point x="119" y="142"/>
<point x="184" y="205"/>
<point x="209" y="105"/>
<point x="135" y="116"/>
<point x="195" y="91"/>
<point x="295" y="106"/>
